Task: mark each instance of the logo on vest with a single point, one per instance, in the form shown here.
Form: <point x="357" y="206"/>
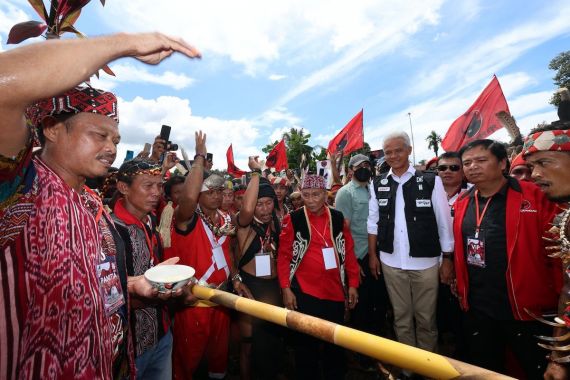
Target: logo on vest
<point x="384" y="188"/>
<point x="423" y="203"/>
<point x="384" y="181"/>
<point x="419" y="179"/>
<point x="382" y="202"/>
<point x="526" y="206"/>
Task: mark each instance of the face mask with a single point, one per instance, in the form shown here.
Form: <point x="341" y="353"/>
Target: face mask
<point x="362" y="174"/>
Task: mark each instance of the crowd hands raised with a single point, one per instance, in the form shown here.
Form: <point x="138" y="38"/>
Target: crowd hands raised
<point x="421" y="256"/>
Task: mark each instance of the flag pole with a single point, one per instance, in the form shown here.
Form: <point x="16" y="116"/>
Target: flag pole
<point x="412" y="133"/>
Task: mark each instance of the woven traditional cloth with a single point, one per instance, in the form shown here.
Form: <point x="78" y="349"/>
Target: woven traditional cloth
<point x="555" y="140"/>
<point x="76" y="100"/>
<point x="313" y="181"/>
<point x="53" y="318"/>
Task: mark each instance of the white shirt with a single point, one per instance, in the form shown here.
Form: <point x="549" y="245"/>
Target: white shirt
<point x="401" y="258"/>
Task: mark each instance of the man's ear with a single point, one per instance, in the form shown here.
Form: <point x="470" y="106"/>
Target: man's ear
<point x="52" y="128"/>
<point x="122" y="187"/>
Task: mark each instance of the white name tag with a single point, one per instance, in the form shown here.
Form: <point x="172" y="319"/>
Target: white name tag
<point x="382" y="202"/>
<point x="384" y="188"/>
<point x="330" y="258"/>
<point x="262" y="265"/>
<point x="219" y="257"/>
<point x="423" y="202"/>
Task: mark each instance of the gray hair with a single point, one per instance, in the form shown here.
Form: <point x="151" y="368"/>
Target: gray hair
<point x="398" y="135"/>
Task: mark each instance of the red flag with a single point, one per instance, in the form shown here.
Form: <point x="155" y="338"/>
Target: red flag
<point x="480" y="120"/>
<point x="350" y="138"/>
<point x="232" y="168"/>
<point x="277" y="158"/>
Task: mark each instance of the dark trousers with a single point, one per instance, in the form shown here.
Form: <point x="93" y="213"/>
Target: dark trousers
<point x="308" y="349"/>
<point x="369" y="315"/>
<point x="488" y="339"/>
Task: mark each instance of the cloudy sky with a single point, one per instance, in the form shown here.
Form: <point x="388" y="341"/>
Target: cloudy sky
<point x="268" y="66"/>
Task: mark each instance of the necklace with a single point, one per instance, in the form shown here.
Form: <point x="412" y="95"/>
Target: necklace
<point x="218" y="229"/>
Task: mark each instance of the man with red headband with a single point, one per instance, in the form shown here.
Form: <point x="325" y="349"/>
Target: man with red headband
<point x="547" y="153"/>
<point x="317" y="272"/>
<point x="61" y="257"/>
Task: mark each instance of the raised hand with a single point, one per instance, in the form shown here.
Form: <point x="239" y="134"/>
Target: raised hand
<point x="152" y="48"/>
<point x="201" y="143"/>
<point x="254" y="163"/>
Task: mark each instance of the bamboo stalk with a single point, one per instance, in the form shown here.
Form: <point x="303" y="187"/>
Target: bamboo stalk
<point x="385" y="350"/>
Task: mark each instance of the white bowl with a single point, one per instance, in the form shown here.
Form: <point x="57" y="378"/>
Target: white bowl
<point x="169" y="277"/>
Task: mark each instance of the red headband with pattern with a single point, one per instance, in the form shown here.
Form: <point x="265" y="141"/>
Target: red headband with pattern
<point x="76" y="100"/>
<point x="313" y="181"/>
<point x="555" y="140"/>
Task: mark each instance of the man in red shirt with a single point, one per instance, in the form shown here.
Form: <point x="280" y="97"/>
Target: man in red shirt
<point x="201" y="238"/>
<point x="503" y="271"/>
<point x="317" y="272"/>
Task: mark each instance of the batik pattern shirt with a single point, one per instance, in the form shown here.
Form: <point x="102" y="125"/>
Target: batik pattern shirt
<point x="53" y="322"/>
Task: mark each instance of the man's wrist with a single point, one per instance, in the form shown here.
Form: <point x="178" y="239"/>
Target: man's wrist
<point x="447" y="255"/>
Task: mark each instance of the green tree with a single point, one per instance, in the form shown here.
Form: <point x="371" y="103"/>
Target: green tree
<point x="296" y="141"/>
<point x="560" y="63"/>
<point x="434" y="140"/>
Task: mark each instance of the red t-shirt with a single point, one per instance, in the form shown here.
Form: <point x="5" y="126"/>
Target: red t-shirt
<point x="312" y="276"/>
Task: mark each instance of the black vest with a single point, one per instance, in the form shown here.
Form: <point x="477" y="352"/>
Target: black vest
<point x="302" y="239"/>
<point x="418" y="208"/>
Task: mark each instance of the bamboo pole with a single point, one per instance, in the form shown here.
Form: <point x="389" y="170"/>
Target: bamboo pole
<point x="385" y="350"/>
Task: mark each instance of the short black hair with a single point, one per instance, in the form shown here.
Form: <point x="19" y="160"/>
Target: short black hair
<point x="497" y="149"/>
<point x="449" y="155"/>
<point x="61" y="118"/>
<point x="172" y="181"/>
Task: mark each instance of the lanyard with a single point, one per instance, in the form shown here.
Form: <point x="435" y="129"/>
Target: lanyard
<point x="479" y="218"/>
<point x="323" y="234"/>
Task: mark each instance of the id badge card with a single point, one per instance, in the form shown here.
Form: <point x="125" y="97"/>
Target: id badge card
<point x="329" y="258"/>
<point x="110" y="285"/>
<point x="476" y="251"/>
<point x="262" y="265"/>
<point x="219" y="257"/>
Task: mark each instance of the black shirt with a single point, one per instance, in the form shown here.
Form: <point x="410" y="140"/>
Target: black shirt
<point x="488" y="285"/>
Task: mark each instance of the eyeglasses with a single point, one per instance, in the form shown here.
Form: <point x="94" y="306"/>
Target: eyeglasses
<point x="453" y="168"/>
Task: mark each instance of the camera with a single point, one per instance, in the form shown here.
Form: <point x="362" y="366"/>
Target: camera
<point x="171" y="147"/>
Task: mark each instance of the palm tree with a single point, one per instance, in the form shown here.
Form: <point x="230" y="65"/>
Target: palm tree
<point x="434" y="140"/>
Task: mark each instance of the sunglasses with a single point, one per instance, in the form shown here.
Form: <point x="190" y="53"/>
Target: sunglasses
<point x="453" y="168"/>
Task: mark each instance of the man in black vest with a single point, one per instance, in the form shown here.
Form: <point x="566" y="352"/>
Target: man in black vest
<point x="409" y="223"/>
<point x="317" y="272"/>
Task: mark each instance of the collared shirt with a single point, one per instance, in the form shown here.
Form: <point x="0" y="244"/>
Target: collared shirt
<point x="352" y="200"/>
<point x="488" y="286"/>
<point x="401" y="258"/>
<point x="53" y="240"/>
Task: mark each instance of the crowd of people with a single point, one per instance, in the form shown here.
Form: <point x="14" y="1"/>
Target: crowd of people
<point x="393" y="250"/>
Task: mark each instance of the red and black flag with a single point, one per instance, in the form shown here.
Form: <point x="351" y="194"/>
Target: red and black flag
<point x="277" y="158"/>
<point x="480" y="120"/>
<point x="233" y="170"/>
<point x="350" y="138"/>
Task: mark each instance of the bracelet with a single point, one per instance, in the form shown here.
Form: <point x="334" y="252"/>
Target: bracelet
<point x="200" y="155"/>
<point x="237" y="277"/>
<point x="257" y="174"/>
<point x="447" y="256"/>
<point x="258" y="171"/>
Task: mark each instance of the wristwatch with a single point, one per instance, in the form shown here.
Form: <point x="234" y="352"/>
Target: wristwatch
<point x="237" y="277"/>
